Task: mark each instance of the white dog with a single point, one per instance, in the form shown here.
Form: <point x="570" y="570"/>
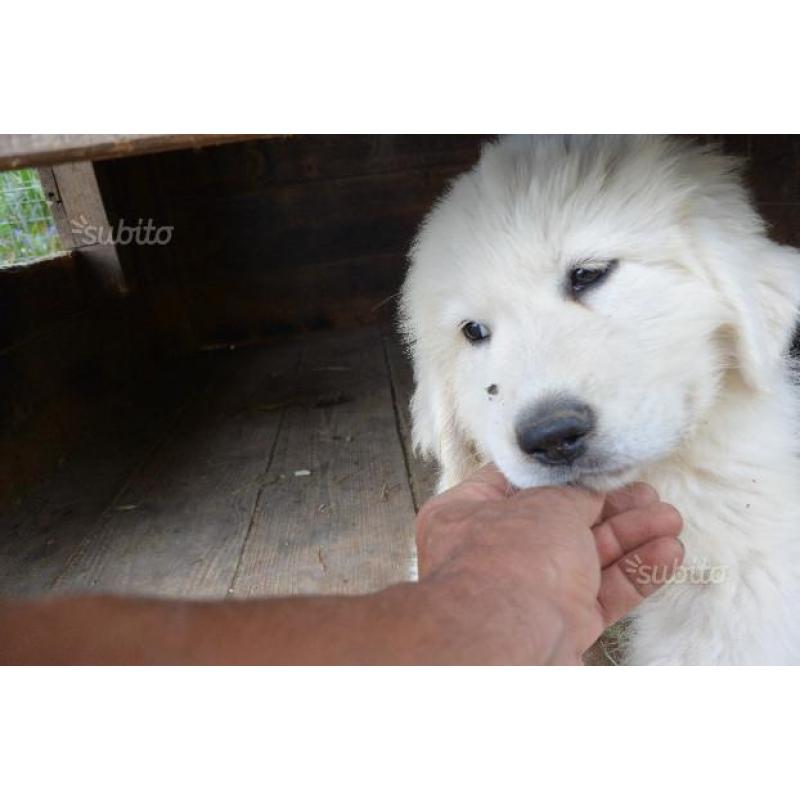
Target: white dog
<point x="603" y="309"/>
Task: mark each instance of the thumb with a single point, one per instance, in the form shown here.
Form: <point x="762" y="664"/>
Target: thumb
<point x="487" y="483"/>
<point x="569" y="501"/>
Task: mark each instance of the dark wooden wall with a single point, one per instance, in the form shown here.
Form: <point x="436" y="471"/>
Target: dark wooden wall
<point x="304" y="233"/>
<point x="63" y="342"/>
<point x="311" y="232"/>
<point x="773" y="174"/>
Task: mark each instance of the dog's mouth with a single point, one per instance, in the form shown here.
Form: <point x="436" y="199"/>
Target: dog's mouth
<point x="596" y="476"/>
<point x="604" y="480"/>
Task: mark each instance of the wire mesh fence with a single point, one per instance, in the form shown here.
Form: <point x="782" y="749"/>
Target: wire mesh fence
<point x="27" y="228"/>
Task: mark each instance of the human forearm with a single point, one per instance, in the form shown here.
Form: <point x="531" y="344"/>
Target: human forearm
<point x="442" y="622"/>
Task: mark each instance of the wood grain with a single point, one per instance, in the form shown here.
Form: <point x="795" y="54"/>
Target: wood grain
<point x="336" y="514"/>
<point x="178" y="527"/>
<point x="41" y="531"/>
<point x="197" y="488"/>
<point x="34" y="149"/>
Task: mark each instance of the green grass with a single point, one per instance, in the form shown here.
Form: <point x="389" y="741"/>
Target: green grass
<point x="27" y="228"/>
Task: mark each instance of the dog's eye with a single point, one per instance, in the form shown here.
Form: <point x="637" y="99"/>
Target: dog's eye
<point x="581" y="278"/>
<point x="475" y="331"/>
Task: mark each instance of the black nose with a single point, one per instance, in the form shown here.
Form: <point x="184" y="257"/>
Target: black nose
<point x="555" y="432"/>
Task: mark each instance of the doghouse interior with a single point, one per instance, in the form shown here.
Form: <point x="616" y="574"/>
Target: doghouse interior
<point x="233" y="422"/>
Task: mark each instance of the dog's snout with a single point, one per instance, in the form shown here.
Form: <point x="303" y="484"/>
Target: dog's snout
<point x="555" y="433"/>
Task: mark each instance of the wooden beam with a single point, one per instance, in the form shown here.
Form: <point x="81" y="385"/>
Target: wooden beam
<point x="42" y="149"/>
<point x="77" y="206"/>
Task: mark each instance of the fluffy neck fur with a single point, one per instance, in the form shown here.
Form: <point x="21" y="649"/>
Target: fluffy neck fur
<point x="746" y="447"/>
<point x="731" y="482"/>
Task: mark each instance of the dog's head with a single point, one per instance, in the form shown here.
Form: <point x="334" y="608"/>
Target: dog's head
<point x="576" y="305"/>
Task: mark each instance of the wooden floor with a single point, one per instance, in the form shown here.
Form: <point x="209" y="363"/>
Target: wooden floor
<point x="273" y="470"/>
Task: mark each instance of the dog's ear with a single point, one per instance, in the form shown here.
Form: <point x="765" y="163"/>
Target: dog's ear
<point x="427" y="420"/>
<point x="435" y="431"/>
<point x="760" y="282"/>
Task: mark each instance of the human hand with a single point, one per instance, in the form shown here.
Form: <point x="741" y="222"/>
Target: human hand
<point x="537" y="575"/>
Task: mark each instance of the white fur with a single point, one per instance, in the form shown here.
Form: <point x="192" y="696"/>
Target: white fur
<point x="681" y="352"/>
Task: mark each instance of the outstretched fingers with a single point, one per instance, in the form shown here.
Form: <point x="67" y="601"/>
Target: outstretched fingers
<point x="626" y="531"/>
<point x="638" y="549"/>
<point x="636" y="575"/>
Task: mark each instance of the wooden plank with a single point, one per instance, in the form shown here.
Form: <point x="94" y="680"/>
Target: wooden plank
<point x="79" y="193"/>
<point x="307" y="223"/>
<point x="80" y="202"/>
<point x="253" y="165"/>
<point x="299" y="249"/>
<point x="50" y="188"/>
<point x="178" y="527"/>
<point x="38" y="149"/>
<point x="336" y="513"/>
<point x="422" y="473"/>
<point x="40" y="532"/>
<point x="282" y="300"/>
